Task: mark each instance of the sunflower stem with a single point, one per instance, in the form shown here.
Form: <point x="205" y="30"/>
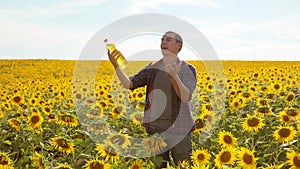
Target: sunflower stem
<point x="252" y="140"/>
<point x="276" y="153"/>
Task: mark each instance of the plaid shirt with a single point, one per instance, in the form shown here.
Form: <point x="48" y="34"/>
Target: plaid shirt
<point x="182" y="119"/>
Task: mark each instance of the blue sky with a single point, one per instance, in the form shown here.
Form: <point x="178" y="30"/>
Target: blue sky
<point x="237" y="29"/>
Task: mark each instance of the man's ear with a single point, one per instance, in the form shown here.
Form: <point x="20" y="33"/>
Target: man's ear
<point x="179" y="45"/>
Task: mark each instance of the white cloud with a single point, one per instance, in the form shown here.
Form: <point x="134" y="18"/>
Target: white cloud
<point x="231" y="40"/>
<point x="234" y="41"/>
<point x="34" y="12"/>
<point x="247" y="41"/>
<point x="286" y="28"/>
<point x="50" y="9"/>
<point x="36" y="40"/>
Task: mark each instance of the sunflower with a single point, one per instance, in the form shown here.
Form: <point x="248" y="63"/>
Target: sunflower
<point x="275" y="87"/>
<point x="103" y="104"/>
<point x="237" y="103"/>
<point x="137" y="118"/>
<point x="118" y="111"/>
<point x="35" y="120"/>
<point x="107" y="152"/>
<point x="140" y="106"/>
<point x="210" y="88"/>
<point x="17" y="100"/>
<point x="206" y="107"/>
<point x="46" y="109"/>
<point x="69" y="104"/>
<point x="68" y="120"/>
<point x="270" y="95"/>
<point x="252" y="89"/>
<point x="90" y="102"/>
<point x="200" y="124"/>
<point x="209" y="117"/>
<point x="293" y="159"/>
<point x="275" y="166"/>
<point x="290" y="98"/>
<point x="292" y="112"/>
<point x="285" y="134"/>
<point x="61" y="95"/>
<point x="132" y="95"/>
<point x="5" y="161"/>
<point x="137" y="164"/>
<point x="232" y="93"/>
<point x="184" y="164"/>
<point x="109" y="96"/>
<point x="121" y="96"/>
<point x="200" y="157"/>
<point x="226" y="139"/>
<point x="33" y="101"/>
<point x="51" y="118"/>
<point x="246" y="96"/>
<point x="262" y="102"/>
<point x="205" y="99"/>
<point x="37" y="161"/>
<point x="78" y="97"/>
<point x="246" y="158"/>
<point x="5" y="106"/>
<point x="96" y="164"/>
<point x="284" y="117"/>
<point x="95" y="113"/>
<point x="153" y="144"/>
<point x="252" y="123"/>
<point x="22" y="115"/>
<point x="140" y="95"/>
<point x="37" y="94"/>
<point x="63" y="166"/>
<point x="111" y="102"/>
<point x="15" y="123"/>
<point x="101" y="127"/>
<point x="225" y="156"/>
<point x="240" y="91"/>
<point x="263" y="111"/>
<point x="63" y="145"/>
<point x="119" y="140"/>
<point x="101" y="93"/>
<point x="34" y="110"/>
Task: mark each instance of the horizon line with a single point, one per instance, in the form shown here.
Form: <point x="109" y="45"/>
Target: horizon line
<point x="53" y="59"/>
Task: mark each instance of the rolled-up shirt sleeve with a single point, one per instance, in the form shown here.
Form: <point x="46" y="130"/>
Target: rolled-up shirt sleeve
<point x="141" y="78"/>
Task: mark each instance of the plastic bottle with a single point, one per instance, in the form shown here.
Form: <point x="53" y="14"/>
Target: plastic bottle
<point x="120" y="58"/>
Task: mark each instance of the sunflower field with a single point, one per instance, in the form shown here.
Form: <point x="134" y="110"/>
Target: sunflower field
<point x="75" y="114"/>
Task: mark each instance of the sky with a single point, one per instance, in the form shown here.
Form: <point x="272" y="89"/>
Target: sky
<point x="236" y="29"/>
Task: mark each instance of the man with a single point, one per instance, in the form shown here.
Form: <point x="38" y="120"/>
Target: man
<point x="170" y="83"/>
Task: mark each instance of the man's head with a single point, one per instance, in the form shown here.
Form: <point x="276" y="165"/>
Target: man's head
<point x="171" y="42"/>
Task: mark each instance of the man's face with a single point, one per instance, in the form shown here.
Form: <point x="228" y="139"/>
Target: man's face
<point x="169" y="44"/>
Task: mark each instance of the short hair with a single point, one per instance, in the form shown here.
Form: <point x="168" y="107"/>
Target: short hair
<point x="178" y="38"/>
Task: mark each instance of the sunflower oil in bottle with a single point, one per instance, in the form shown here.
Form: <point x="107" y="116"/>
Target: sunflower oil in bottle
<point x="120" y="58"/>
